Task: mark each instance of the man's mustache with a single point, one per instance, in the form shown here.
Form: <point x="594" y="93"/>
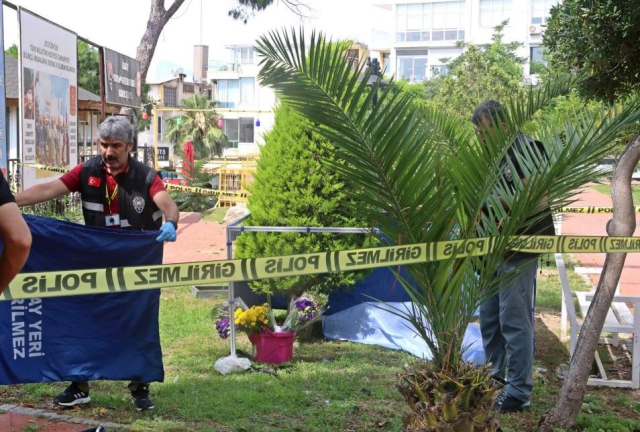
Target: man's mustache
<point x="111" y="158"/>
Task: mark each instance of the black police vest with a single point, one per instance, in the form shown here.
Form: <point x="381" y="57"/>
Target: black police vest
<point x="136" y="208"/>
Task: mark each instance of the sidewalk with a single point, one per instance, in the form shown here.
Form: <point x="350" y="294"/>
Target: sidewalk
<point x="198" y="240"/>
<point x="595" y="225"/>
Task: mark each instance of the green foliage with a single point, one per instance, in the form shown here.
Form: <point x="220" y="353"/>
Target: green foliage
<point x="198" y="126"/>
<point x="421" y="175"/>
<point x="187" y="201"/>
<point x="492" y="72"/>
<point x="88" y="67"/>
<point x="293" y="187"/>
<point x="564" y="108"/>
<point x="600" y="38"/>
<point x="12" y="51"/>
<point x="247" y="8"/>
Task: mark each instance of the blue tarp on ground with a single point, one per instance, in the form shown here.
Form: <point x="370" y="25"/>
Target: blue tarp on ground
<point x="102" y="336"/>
<point x="356" y="316"/>
<point x="374" y="323"/>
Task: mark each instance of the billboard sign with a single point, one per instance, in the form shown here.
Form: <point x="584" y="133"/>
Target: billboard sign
<point x="48" y="97"/>
<point x="123" y="84"/>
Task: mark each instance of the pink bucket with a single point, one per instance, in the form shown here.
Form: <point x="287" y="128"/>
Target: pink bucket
<point x="274" y="348"/>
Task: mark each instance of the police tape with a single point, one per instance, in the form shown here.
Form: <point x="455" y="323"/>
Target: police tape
<point x="168" y="186"/>
<point x="591" y="209"/>
<point x="124" y="279"/>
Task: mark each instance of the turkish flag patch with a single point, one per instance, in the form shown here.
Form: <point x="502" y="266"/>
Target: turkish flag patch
<point x="94" y="181"/>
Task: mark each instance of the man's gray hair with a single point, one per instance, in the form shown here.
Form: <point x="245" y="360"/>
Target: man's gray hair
<point x="116" y="128"/>
<point x="489" y="110"/>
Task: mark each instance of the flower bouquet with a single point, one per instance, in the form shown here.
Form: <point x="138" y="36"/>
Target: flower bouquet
<point x="303" y="311"/>
<point x="273" y="343"/>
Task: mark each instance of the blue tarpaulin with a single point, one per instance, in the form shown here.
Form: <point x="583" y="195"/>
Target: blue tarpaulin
<point x="90" y="337"/>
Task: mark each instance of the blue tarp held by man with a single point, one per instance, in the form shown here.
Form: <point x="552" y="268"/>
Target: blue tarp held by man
<point x="89" y="337"/>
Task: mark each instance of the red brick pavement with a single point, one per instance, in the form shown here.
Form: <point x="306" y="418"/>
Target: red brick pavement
<point x="198" y="240"/>
<point x="595" y="224"/>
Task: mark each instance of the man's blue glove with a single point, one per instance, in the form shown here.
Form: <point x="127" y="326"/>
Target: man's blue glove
<point x="167" y="232"/>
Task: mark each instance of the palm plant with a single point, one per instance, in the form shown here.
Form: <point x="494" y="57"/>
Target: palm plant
<point x="198" y="126"/>
<point x="421" y="176"/>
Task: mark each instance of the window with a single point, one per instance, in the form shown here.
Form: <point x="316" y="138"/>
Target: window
<point x="244" y="55"/>
<point x="247" y="90"/>
<point x="494" y="12"/>
<point x="170" y="97"/>
<point x="540" y="10"/>
<point x="246" y="129"/>
<point x="231" y="93"/>
<point x="439" y="70"/>
<point x="412" y="65"/>
<point x="239" y="130"/>
<point x="537" y="62"/>
<point x="187" y="88"/>
<point x="439" y="21"/>
<point x="231" y="131"/>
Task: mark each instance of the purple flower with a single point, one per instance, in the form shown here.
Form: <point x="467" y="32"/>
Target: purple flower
<point x="302" y="303"/>
<point x="222" y="326"/>
<point x="307" y="309"/>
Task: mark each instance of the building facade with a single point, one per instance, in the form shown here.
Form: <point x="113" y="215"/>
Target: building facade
<point x="425" y="33"/>
<point x="168" y="93"/>
<point x="245" y="107"/>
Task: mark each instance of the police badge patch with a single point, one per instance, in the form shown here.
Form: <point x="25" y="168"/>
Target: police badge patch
<point x="138" y="204"/>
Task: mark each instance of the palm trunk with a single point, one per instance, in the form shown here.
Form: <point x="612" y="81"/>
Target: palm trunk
<point x="565" y="412"/>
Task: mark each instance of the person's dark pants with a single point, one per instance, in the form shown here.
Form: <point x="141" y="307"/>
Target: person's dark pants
<point x="133" y="385"/>
<point x="506" y="323"/>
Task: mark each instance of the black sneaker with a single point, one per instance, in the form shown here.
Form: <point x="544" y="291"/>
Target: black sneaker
<point x="141" y="399"/>
<point x="507" y="403"/>
<point x="72" y="396"/>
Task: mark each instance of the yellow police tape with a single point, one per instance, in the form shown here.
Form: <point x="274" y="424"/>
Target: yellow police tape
<point x="591" y="209"/>
<point x="100" y="281"/>
<point x="213" y="192"/>
<point x="168" y="186"/>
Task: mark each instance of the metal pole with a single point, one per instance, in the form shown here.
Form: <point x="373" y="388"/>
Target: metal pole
<point x="232" y="323"/>
<point x="101" y="79"/>
<point x="154" y="113"/>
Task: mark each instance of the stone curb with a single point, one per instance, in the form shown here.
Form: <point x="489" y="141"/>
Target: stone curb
<point x="57" y="417"/>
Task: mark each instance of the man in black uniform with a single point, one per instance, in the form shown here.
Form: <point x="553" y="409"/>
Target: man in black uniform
<point x="117" y="192"/>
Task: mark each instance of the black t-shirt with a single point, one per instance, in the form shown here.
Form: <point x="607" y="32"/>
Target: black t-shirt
<point x="544" y="224"/>
<point x="5" y="193"/>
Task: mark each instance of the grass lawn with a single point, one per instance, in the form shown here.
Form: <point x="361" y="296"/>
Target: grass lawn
<point x="215" y="215"/>
<point x="606" y="189"/>
<point x="328" y="386"/>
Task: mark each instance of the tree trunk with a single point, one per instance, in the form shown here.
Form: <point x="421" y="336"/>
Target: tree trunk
<point x="158" y="17"/>
<point x="565" y="412"/>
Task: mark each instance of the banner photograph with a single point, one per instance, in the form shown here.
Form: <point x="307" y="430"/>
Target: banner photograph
<point x="48" y="90"/>
<point x="123" y="84"/>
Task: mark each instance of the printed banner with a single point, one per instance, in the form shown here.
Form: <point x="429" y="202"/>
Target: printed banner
<point x="111" y="336"/>
<point x="48" y="102"/>
<point x="123" y="84"/>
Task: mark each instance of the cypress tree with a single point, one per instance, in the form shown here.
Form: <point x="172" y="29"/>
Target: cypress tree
<point x="294" y="187"/>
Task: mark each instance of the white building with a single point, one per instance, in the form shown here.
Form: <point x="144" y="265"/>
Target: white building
<point x="427" y="31"/>
<point x="246" y="107"/>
